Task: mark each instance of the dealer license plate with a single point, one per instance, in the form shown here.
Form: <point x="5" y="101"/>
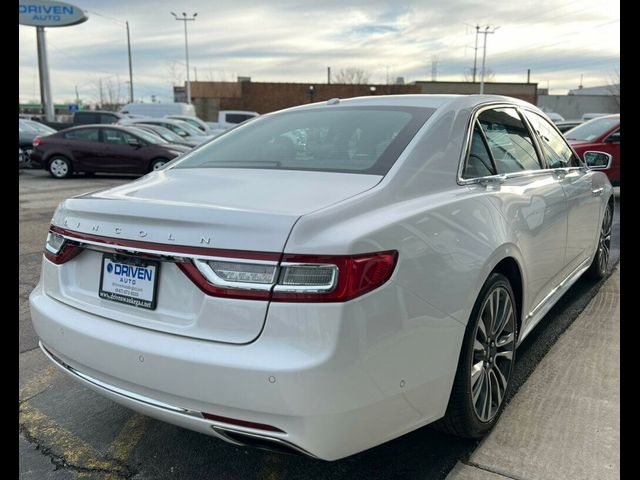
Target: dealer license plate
<point x="129" y="280"/>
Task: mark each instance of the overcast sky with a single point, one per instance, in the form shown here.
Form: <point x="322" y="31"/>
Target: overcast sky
<point x="295" y="41"/>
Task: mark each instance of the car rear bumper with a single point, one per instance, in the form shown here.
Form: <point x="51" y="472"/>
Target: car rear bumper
<point x="329" y="398"/>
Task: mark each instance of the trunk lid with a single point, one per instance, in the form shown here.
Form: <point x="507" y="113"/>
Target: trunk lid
<point x="229" y="209"/>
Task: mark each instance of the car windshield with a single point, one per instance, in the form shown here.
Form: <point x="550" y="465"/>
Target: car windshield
<point x="149" y="137"/>
<point x="191" y="130"/>
<point x="34" y="127"/>
<point x="592" y="129"/>
<point x="337" y="139"/>
<point x="167" y="134"/>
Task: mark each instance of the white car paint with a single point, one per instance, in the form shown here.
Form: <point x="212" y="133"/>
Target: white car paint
<point x="335" y="378"/>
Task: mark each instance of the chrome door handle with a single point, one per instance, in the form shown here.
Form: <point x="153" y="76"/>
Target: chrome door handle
<point x="597" y="192"/>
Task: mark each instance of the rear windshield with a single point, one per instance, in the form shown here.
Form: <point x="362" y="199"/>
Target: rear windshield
<point x="335" y="139"/>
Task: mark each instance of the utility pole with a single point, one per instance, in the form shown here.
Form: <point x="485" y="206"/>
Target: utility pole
<point x="528" y="75"/>
<point x="101" y="97"/>
<point x="328" y="75"/>
<point x="130" y="68"/>
<point x="484" y="55"/>
<point x="186" y="19"/>
<point x="475" y="55"/>
<point x="77" y="96"/>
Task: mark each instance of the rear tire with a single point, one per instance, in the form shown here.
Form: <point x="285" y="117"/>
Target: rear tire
<point x="157" y="164"/>
<point x="60" y="167"/>
<point x="600" y="265"/>
<point x="486" y="361"/>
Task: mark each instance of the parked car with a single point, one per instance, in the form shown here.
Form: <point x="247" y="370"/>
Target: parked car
<point x="193" y="121"/>
<point x="567" y="125"/>
<point x="186" y="131"/>
<point x="158" y="110"/>
<point x="98" y="148"/>
<point x="554" y="117"/>
<point x="327" y="296"/>
<point x="28" y="130"/>
<point x="600" y="134"/>
<point x="88" y="117"/>
<point x="21" y="158"/>
<point x="591" y="116"/>
<point x="167" y="135"/>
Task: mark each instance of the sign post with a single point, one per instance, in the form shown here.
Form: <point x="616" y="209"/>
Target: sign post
<point x="46" y="13"/>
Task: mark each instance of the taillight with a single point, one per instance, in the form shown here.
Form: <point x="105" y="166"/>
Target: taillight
<point x="297" y="278"/>
<point x="36" y="141"/>
<point x="305" y="278"/>
<point x="58" y="249"/>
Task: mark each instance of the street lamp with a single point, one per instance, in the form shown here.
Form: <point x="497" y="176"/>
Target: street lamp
<point x="186" y="19"/>
<point x="372" y="89"/>
<point x="312" y="90"/>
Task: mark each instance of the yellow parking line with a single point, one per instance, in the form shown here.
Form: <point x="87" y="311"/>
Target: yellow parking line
<point x="127" y="440"/>
<point x="39" y="383"/>
<point x="63" y="443"/>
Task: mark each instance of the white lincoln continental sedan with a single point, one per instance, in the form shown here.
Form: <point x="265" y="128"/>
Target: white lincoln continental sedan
<point x="328" y="277"/>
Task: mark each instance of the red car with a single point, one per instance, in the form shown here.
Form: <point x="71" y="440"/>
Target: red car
<point x="601" y="134"/>
<point x="102" y="148"/>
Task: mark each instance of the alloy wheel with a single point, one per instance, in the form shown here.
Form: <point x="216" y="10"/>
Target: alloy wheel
<point x="604" y="246"/>
<point x="493" y="349"/>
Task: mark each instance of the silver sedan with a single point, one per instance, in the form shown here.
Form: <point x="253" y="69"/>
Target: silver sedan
<point x="326" y="278"/>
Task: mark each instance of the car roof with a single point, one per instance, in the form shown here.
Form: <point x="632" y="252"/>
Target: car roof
<point x="434" y="101"/>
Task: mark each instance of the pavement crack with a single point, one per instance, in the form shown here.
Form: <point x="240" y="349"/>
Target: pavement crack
<point x="121" y="470"/>
<point x="490" y="470"/>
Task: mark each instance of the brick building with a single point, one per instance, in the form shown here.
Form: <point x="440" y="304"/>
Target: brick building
<point x="263" y="97"/>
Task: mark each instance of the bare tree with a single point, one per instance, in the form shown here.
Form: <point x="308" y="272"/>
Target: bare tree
<point x="613" y="85"/>
<point x="176" y="73"/>
<point x="489" y="75"/>
<point x="351" y="75"/>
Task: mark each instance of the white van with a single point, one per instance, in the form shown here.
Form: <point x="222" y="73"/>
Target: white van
<point x="158" y="109"/>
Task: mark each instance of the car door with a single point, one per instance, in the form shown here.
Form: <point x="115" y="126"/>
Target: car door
<point x="85" y="147"/>
<point x="504" y="159"/>
<point x="582" y="193"/>
<point x="123" y="152"/>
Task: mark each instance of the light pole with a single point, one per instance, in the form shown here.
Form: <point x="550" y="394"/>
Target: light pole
<point x="186" y="19"/>
<point x="130" y="68"/>
<point x="312" y="91"/>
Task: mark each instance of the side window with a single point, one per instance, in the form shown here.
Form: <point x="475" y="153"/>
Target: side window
<point x="83" y="134"/>
<point x="116" y="137"/>
<point x="104" y="118"/>
<point x="613" y="138"/>
<point x="554" y="147"/>
<point x="479" y="163"/>
<point x="509" y="140"/>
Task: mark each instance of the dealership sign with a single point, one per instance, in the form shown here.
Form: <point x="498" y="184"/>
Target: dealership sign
<point x="44" y="13"/>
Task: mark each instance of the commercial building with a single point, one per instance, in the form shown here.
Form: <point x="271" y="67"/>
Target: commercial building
<point x="263" y="97"/>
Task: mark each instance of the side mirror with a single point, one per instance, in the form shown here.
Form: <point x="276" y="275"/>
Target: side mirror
<point x="134" y="142"/>
<point x="613" y="138"/>
<point x="597" y="160"/>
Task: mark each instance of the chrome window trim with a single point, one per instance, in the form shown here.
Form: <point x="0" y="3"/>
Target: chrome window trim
<point x="467" y="146"/>
<point x="499" y="178"/>
<point x="582" y="166"/>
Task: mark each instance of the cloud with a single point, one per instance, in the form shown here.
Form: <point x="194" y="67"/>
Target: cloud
<point x="287" y="40"/>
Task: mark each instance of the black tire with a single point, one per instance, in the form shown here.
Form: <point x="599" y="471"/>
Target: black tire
<point x="157" y="163"/>
<point x="60" y="167"/>
<point x="462" y="417"/>
<point x="600" y="265"/>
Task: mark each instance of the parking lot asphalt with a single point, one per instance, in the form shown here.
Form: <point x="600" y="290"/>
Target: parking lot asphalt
<point x="69" y="432"/>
